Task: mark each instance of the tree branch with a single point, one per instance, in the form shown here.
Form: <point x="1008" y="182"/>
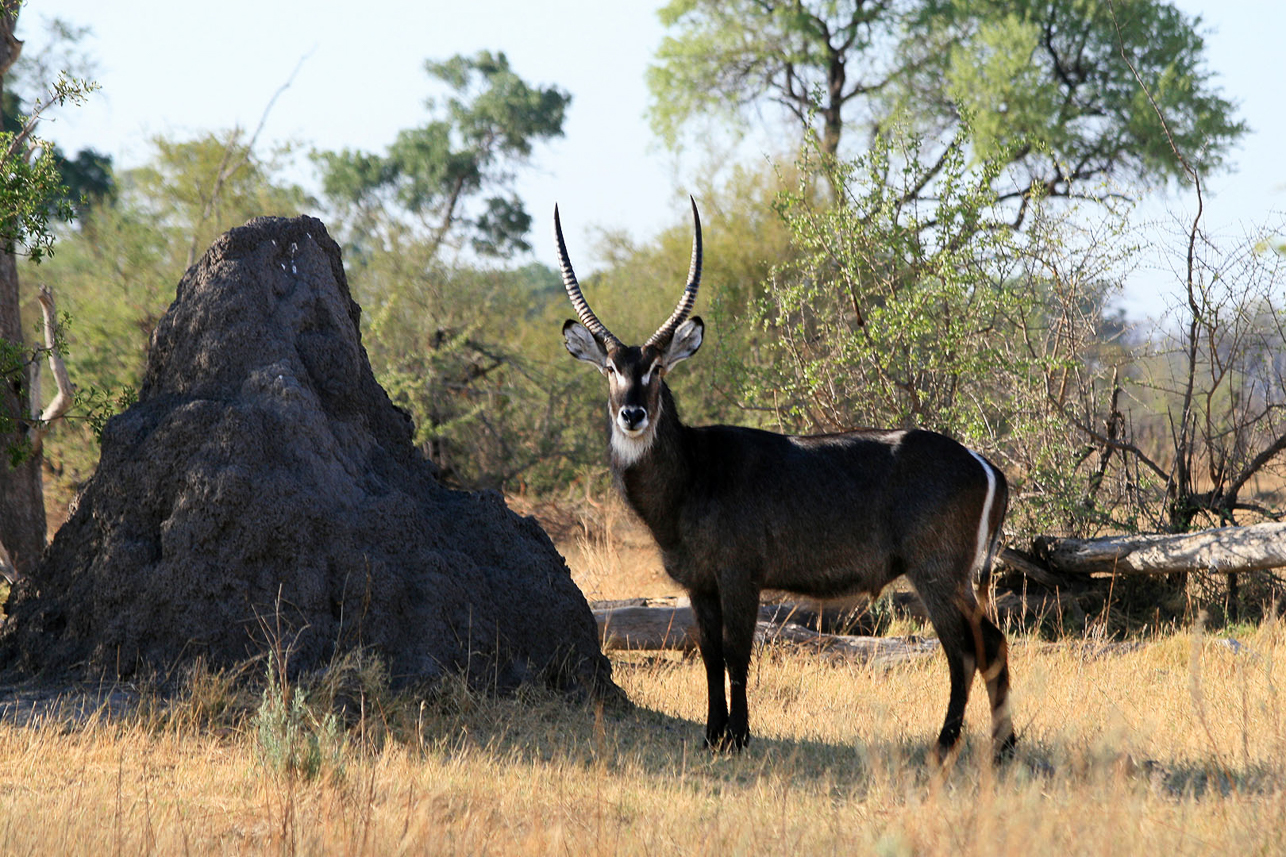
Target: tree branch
<point x="227" y="169"/>
<point x="1256" y="464"/>
<point x="62" y="401"/>
<point x="1113" y="443"/>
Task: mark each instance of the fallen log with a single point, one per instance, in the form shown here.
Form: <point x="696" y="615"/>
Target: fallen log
<point x="669" y="625"/>
<point x="881" y="651"/>
<point x="1225" y="550"/>
<point x="643" y="626"/>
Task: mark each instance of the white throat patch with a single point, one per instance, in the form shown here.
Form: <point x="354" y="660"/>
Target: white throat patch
<point x="628" y="450"/>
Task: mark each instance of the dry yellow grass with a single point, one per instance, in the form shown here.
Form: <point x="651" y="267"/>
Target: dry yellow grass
<point x="609" y="551"/>
<point x="1175" y="748"/>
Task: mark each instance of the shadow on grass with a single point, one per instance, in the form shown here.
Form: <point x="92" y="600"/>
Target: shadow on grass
<point x="535" y="726"/>
<point x="543" y="729"/>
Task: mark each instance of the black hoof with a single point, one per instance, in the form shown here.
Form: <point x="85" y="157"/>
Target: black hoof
<point x="1005" y="752"/>
<point x="727" y="743"/>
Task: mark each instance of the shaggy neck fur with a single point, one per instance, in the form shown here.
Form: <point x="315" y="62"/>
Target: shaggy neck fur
<point x="651" y="470"/>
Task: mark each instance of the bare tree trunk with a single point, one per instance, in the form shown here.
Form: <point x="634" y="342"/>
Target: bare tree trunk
<point x="22" y="504"/>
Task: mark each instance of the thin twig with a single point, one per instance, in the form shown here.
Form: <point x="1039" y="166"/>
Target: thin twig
<point x="227" y="169"/>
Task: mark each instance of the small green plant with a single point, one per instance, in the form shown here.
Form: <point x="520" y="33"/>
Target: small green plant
<point x="290" y="739"/>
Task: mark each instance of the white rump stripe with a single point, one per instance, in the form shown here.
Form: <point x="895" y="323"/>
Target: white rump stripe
<point x="984" y="543"/>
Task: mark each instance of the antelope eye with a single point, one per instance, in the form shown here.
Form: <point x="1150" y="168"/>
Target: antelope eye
<point x="611" y="368"/>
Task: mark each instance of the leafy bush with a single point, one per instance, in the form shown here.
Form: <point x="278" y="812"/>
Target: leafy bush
<point x="943" y="315"/>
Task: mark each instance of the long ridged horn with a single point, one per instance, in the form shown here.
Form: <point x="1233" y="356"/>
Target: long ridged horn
<point x="586" y="315"/>
<point x="689" y="297"/>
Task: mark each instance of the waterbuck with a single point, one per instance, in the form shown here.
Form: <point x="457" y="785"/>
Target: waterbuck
<point x="736" y="510"/>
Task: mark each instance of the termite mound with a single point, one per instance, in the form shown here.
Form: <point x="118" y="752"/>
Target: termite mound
<point x="265" y="486"/>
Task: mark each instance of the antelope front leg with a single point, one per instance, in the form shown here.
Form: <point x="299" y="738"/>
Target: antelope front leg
<point x="740" y="603"/>
<point x="705" y="607"/>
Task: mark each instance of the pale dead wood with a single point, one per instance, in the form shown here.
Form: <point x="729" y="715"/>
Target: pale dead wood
<point x="56" y="409"/>
<point x="648" y="627"/>
<point x="63" y="399"/>
<point x="643" y="626"/>
<point x="881" y="651"/>
<point x="7" y="571"/>
<point x="1225" y="549"/>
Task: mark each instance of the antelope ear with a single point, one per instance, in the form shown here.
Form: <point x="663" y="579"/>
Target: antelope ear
<point x="684" y="343"/>
<point x="582" y="345"/>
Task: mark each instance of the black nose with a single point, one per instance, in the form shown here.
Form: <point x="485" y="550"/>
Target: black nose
<point x="633" y="416"/>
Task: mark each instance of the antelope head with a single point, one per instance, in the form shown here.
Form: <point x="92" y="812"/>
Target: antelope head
<point x="634" y="373"/>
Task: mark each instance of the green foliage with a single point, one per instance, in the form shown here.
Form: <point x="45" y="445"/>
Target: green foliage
<point x="1053" y="72"/>
<point x="995" y="81"/>
<point x="98" y="406"/>
<point x="197" y="189"/>
<point x="727" y="58"/>
<point x="118" y="268"/>
<point x="31" y="187"/>
<point x="475" y="357"/>
<point x="85" y="178"/>
<point x="467" y="352"/>
<point x="881" y="292"/>
<point x="88" y="177"/>
<point x="904" y="313"/>
<point x="1044" y="83"/>
<point x="453" y="174"/>
<point x="33" y="86"/>
<point x="31" y="192"/>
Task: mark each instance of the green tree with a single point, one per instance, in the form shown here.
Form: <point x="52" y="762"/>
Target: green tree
<point x="452" y="176"/>
<point x="1043" y="82"/>
<point x="461" y="348"/>
<point x="118" y="265"/>
<point x="31" y="193"/>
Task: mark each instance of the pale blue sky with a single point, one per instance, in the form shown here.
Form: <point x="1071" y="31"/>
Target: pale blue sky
<point x="179" y="68"/>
